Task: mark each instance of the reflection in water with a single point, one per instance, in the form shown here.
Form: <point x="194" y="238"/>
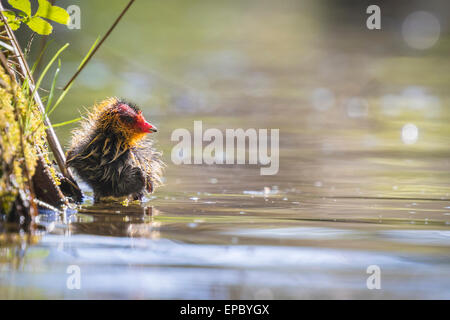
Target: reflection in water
<point x="13" y="248"/>
<point x="110" y="220"/>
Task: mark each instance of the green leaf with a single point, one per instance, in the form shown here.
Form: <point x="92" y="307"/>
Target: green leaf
<point x="11" y="18"/>
<point x="54" y="13"/>
<point x="40" y="26"/>
<point x="22" y="5"/>
<point x="14" y="25"/>
<point x="9" y="15"/>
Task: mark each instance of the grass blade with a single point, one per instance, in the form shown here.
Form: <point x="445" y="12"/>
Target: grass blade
<point x="66" y="90"/>
<point x="38" y="83"/>
<point x="89" y="53"/>
<point x="66" y="122"/>
<point x="36" y="63"/>
<point x="47" y="67"/>
<point x="60" y="98"/>
<point x="52" y="89"/>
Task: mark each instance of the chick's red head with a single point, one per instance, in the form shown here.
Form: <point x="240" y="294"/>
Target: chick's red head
<point x="131" y="118"/>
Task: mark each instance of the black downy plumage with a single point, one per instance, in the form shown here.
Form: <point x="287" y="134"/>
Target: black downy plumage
<point x="110" y="154"/>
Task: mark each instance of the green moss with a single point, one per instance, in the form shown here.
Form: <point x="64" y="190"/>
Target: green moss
<point x="17" y="156"/>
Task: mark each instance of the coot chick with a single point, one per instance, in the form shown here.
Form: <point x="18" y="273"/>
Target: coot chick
<point x="110" y="154"/>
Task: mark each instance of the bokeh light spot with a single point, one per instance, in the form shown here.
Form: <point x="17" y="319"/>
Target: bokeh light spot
<point x="421" y="30"/>
<point x="410" y="133"/>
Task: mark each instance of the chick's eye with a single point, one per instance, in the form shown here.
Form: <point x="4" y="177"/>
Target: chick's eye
<point x="127" y="119"/>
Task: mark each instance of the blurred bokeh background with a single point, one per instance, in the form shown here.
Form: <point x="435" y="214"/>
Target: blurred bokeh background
<point x="311" y="68"/>
<point x="364" y="151"/>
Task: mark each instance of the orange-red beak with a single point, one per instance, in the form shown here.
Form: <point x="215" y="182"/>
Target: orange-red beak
<point x="144" y="125"/>
<point x="151" y="128"/>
